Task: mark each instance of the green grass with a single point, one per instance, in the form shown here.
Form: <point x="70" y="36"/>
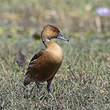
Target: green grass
<point x="83" y="81"/>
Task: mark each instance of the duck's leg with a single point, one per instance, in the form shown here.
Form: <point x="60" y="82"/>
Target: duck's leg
<point x="48" y="84"/>
<point x="37" y="88"/>
<point x="48" y="87"/>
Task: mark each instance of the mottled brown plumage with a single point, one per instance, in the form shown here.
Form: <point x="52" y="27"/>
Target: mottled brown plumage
<point x="44" y="65"/>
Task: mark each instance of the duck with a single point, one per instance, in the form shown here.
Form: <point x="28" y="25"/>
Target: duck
<point x="44" y="64"/>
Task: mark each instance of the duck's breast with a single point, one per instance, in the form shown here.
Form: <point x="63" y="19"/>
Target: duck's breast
<point x="47" y="65"/>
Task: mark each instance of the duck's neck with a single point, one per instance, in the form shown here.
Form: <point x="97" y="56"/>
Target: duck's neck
<point x="52" y="45"/>
<point x="54" y="48"/>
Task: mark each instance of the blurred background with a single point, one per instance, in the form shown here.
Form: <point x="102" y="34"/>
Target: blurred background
<point x="70" y="15"/>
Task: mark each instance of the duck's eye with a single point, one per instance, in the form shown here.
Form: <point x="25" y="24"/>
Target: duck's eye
<point x="54" y="30"/>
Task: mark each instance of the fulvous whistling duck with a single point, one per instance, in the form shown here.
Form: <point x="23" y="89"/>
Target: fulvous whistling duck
<point x="21" y="59"/>
<point x="44" y="65"/>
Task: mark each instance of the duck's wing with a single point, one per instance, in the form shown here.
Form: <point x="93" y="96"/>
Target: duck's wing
<point x="33" y="67"/>
<point x="35" y="58"/>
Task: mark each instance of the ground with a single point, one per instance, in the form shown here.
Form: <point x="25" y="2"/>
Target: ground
<point x="82" y="82"/>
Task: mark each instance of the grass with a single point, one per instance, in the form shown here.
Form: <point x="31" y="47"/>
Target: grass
<point x="83" y="81"/>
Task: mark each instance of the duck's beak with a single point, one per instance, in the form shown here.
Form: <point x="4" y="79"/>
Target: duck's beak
<point x="62" y="38"/>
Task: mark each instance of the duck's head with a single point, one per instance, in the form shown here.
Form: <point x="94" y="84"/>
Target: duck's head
<point x="50" y="32"/>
